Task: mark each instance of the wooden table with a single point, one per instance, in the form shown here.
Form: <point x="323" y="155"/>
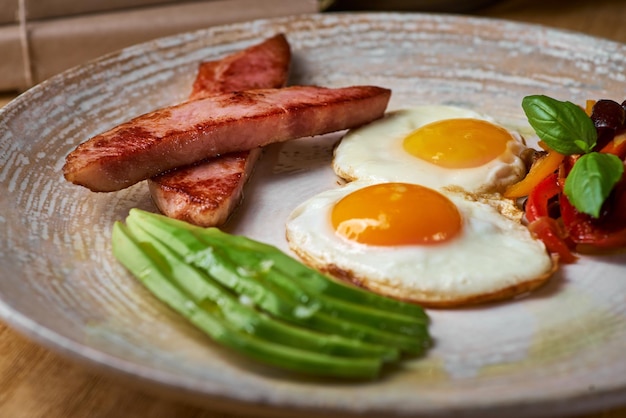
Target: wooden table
<point x="35" y="382"/>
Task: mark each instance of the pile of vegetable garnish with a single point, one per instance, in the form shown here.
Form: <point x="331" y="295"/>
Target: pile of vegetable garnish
<point x="258" y="301"/>
<point x="576" y="191"/>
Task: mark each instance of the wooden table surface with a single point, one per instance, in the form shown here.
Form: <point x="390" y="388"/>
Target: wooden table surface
<point x="35" y="382"/>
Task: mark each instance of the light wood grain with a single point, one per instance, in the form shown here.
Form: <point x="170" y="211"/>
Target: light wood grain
<point x="35" y="382"/>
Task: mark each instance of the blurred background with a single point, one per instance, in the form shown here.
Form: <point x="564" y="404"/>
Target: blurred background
<point x="41" y="38"/>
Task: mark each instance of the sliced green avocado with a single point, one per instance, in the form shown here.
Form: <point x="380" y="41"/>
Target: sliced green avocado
<point x="293" y="305"/>
<point x="150" y="267"/>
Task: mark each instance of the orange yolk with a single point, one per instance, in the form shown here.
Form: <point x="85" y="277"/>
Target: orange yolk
<point x="457" y="143"/>
<point x="396" y="214"/>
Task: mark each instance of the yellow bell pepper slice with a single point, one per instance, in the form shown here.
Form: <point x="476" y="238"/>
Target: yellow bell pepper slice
<point x="541" y="169"/>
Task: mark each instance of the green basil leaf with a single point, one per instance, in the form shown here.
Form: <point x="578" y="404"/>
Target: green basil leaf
<point x="591" y="180"/>
<point x="564" y="126"/>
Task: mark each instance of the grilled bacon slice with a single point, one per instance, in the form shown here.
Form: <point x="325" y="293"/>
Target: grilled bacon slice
<point x="261" y="66"/>
<point x="180" y="135"/>
<point x="206" y="193"/>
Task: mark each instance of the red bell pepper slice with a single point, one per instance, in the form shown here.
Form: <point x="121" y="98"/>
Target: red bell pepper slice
<point x="608" y="232"/>
<point x="551" y="234"/>
<point x="541" y="225"/>
<point x="537" y="204"/>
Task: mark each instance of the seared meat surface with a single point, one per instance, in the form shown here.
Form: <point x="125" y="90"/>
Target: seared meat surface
<point x="180" y="135"/>
<point x="206" y="193"/>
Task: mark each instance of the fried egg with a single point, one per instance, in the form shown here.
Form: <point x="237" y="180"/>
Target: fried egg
<point x="435" y="146"/>
<point x="437" y="248"/>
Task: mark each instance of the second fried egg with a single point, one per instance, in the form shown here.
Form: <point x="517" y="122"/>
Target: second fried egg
<point x="436" y="248"/>
<point x="435" y="146"/>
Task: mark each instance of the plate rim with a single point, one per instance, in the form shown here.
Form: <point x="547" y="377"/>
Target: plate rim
<point x="65" y="346"/>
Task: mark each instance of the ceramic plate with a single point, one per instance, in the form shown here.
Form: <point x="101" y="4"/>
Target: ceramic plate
<point x="556" y="351"/>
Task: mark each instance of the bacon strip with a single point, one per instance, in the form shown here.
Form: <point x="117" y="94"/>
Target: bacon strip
<point x="261" y="66"/>
<point x="191" y="131"/>
<point x="207" y="193"/>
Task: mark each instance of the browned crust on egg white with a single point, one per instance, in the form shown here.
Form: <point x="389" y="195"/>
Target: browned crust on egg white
<point x="505" y="206"/>
<point x="426" y="299"/>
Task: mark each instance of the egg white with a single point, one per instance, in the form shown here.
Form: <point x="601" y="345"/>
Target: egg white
<point x="492" y="258"/>
<point x="375" y="152"/>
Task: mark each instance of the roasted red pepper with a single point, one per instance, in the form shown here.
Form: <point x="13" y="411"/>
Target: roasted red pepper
<point x="550" y="232"/>
<point x="541" y="225"/>
<point x="538" y="202"/>
<point x="606" y="232"/>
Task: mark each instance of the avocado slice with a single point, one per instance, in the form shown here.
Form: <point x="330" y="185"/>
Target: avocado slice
<point x="278" y="296"/>
<point x="254" y="298"/>
<point x="144" y="261"/>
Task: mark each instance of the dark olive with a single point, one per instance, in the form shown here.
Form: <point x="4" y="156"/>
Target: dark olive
<point x="608" y="114"/>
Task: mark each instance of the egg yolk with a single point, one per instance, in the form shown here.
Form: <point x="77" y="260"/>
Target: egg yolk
<point x="457" y="143"/>
<point x="396" y="214"/>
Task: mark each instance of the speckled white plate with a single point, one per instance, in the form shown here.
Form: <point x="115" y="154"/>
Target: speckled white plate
<point x="557" y="351"/>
